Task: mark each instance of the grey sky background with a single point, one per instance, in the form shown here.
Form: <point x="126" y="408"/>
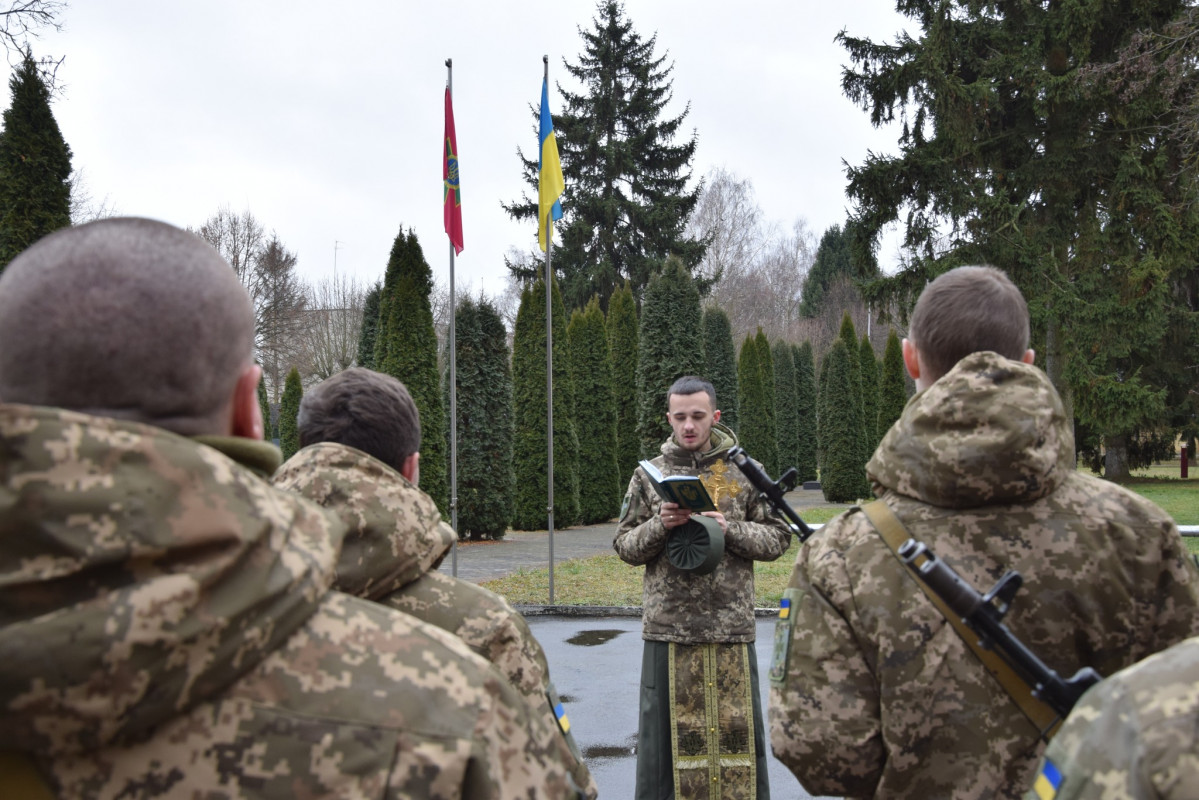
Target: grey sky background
<point x="325" y="120"/>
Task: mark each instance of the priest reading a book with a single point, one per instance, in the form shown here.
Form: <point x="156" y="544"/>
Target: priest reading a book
<point x="698" y="525"/>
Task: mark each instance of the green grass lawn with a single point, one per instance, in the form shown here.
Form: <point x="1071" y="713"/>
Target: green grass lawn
<point x="607" y="581"/>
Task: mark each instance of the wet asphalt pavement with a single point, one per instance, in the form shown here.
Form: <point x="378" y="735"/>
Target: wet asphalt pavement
<point x="595" y="663"/>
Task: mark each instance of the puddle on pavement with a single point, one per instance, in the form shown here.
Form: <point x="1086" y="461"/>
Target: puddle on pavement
<point x="608" y="751"/>
<point x="593" y="638"/>
<point x="566" y="698"/>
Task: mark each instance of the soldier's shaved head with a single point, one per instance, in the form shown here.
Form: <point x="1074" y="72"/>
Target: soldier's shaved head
<point x="126" y="318"/>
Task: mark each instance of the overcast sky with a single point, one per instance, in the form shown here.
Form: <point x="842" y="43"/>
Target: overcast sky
<point x="325" y="120"/>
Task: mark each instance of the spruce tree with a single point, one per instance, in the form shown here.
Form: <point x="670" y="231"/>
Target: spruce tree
<point x="622" y="357"/>
<point x="893" y="389"/>
<point x="805" y="409"/>
<point x="530" y="460"/>
<point x="370" y="327"/>
<point x="843" y="474"/>
<point x="264" y="406"/>
<point x="35" y="166"/>
<point x="1025" y="152"/>
<point x="599" y="483"/>
<point x="289" y="409"/>
<point x="484" y="409"/>
<point x="869" y="367"/>
<point x="406" y="349"/>
<point x="671" y="346"/>
<point x="833" y="263"/>
<point x="786" y="405"/>
<point x="720" y="363"/>
<point x="627" y="198"/>
<point x="756" y="384"/>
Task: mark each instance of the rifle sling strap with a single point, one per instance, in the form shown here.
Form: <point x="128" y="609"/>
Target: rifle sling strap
<point x="20" y="778"/>
<point x="1044" y="718"/>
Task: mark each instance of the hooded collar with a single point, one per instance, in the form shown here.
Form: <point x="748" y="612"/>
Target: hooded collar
<point x="395" y="530"/>
<point x="140" y="574"/>
<point x="990" y="431"/>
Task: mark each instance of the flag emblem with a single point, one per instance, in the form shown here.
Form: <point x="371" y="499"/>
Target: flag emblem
<point x="1048" y="781"/>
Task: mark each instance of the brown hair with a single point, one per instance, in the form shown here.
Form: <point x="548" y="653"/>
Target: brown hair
<point x="690" y="384"/>
<point x="363" y="409"/>
<point x="964" y="311"/>
<point x="125" y="318"/>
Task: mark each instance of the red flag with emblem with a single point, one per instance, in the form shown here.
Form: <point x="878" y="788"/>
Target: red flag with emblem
<point x="449" y="174"/>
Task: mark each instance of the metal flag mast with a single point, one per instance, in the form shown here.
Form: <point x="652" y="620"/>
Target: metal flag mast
<point x="449" y="86"/>
<point x="549" y="355"/>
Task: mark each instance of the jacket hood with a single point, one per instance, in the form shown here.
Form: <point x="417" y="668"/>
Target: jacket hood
<point x="395" y="530"/>
<point x="991" y="430"/>
<point x="722" y="440"/>
<point x="140" y="573"/>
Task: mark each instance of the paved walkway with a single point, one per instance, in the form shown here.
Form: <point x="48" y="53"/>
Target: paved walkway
<point x="485" y="561"/>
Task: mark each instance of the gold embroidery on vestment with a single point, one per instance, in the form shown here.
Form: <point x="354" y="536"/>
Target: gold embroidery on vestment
<point x="720" y="484"/>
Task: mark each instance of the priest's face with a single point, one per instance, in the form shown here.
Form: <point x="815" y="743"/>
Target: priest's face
<point x="691" y="417"/>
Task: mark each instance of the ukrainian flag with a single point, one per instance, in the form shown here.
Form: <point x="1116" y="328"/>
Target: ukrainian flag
<point x="549" y="174"/>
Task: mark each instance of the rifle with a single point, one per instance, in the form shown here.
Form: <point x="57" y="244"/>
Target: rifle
<point x="773" y="490"/>
<point x="984" y="615"/>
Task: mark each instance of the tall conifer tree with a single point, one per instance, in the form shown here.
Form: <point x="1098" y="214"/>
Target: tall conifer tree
<point x="289" y="410"/>
<point x="756" y="383"/>
<point x="720" y="363"/>
<point x="599" y="483"/>
<point x="786" y="405"/>
<point x="484" y="407"/>
<point x="530" y="451"/>
<point x="627" y="197"/>
<point x="869" y="366"/>
<point x="854" y="353"/>
<point x="370" y="327"/>
<point x="805" y="409"/>
<point x="35" y="166"/>
<point x="671" y="346"/>
<point x="622" y="359"/>
<point x="893" y="389"/>
<point x="406" y="349"/>
<point x="843" y="475"/>
<point x="264" y="406"/>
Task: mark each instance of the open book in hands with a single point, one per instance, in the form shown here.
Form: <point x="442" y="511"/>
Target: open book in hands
<point x="686" y="490"/>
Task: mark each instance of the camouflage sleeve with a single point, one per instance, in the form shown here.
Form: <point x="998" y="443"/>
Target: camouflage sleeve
<point x="762" y="536"/>
<point x="1175" y="609"/>
<point x="1133" y="735"/>
<point x="825" y="721"/>
<point x="640" y="536"/>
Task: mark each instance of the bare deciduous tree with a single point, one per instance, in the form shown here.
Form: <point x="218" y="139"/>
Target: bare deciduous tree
<point x="332" y="326"/>
<point x="727" y="212"/>
<point x="85" y="208"/>
<point x="279" y="311"/>
<point x="22" y="20"/>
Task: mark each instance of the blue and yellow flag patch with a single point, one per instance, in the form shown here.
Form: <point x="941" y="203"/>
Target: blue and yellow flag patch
<point x="1048" y="781"/>
<point x="563" y="720"/>
<point x="785" y="608"/>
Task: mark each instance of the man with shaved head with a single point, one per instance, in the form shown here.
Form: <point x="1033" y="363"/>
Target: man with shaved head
<point x="166" y="626"/>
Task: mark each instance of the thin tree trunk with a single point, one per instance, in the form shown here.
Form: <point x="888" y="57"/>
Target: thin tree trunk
<point x="1115" y="459"/>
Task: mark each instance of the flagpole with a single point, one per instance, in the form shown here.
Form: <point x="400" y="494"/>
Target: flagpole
<point x="449" y="85"/>
<point x="549" y="363"/>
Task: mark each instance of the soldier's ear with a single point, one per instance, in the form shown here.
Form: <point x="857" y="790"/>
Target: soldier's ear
<point x="246" y="415"/>
<point x="410" y="469"/>
<point x="911" y="359"/>
<point x="1029" y="356"/>
<point x="716" y="415"/>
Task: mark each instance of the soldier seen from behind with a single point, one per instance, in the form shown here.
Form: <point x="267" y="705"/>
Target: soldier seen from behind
<point x="874" y="694"/>
<point x="166" y="623"/>
<point x="701" y="731"/>
<point x="360" y="438"/>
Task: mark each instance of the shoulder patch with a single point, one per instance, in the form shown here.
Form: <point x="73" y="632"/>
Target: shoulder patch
<point x="788" y="607"/>
<point x="1049" y="780"/>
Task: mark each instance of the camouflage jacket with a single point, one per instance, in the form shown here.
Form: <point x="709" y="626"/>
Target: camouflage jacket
<point x="1134" y="736"/>
<point x="394" y="542"/>
<point x="166" y="629"/>
<point x="680" y="606"/>
<point x="873" y="692"/>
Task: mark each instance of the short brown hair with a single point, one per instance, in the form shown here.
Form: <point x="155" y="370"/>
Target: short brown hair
<point x="363" y="409"/>
<point x="126" y="318"/>
<point x="968" y="310"/>
<point x="691" y="384"/>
